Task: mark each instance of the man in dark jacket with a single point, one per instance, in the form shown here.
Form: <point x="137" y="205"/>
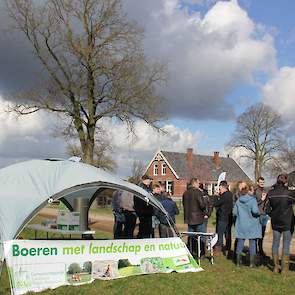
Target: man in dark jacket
<point x="208" y="206"/>
<point x="260" y="194"/>
<point x="280" y="208"/>
<point x="224" y="207"/>
<point x="194" y="206"/>
<point x="144" y="211"/>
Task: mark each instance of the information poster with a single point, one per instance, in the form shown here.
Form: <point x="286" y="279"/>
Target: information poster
<point x="35" y="265"/>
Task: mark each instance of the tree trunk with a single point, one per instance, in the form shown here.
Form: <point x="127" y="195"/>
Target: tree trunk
<point x="258" y="167"/>
<point x="88" y="155"/>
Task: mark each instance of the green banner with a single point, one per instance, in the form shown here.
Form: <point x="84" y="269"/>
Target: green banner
<point x="35" y="265"/>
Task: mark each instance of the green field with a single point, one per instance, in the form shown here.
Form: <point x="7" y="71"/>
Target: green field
<point x="221" y="278"/>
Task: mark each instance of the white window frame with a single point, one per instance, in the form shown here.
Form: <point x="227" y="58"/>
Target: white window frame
<point x="167" y="186"/>
<point x="210" y="189"/>
<point x="164" y="168"/>
<point x="156" y="169"/>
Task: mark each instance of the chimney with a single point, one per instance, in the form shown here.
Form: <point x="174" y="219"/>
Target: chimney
<point x="216" y="160"/>
<point x="189" y="158"/>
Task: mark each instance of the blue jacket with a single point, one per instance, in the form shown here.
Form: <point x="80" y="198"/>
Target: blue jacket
<point x="171" y="208"/>
<point x="247" y="214"/>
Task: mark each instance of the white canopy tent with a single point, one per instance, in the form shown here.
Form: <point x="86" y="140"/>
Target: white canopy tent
<point x="27" y="187"/>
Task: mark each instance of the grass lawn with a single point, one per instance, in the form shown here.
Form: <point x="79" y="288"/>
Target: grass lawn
<point x="221" y="278"/>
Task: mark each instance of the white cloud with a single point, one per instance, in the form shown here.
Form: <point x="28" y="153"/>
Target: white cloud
<point x="207" y="55"/>
<point x="148" y="139"/>
<point x="146" y="142"/>
<point x="279" y="92"/>
<point x="198" y="2"/>
<point x="27" y="136"/>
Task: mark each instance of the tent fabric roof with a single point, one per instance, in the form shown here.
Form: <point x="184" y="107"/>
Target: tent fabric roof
<point x="28" y="185"/>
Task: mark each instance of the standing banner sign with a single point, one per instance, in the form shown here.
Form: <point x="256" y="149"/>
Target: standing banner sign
<point x="221" y="177"/>
<point x="35" y="265"/>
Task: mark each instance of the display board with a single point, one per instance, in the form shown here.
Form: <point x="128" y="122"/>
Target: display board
<point x="35" y="265"/>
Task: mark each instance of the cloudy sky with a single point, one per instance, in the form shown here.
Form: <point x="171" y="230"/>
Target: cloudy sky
<point x="222" y="56"/>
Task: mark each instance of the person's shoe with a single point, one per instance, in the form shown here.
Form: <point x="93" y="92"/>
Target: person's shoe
<point x="285" y="264"/>
<point x="261" y="260"/>
<point x="252" y="261"/>
<point x="239" y="260"/>
<point x="262" y="254"/>
<point x="276" y="263"/>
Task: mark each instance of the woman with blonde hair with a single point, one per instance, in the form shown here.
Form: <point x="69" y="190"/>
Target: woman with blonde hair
<point x="248" y="225"/>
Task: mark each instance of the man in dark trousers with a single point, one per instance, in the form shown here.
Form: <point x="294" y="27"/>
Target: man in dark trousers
<point x="194" y="206"/>
<point x="118" y="215"/>
<point x="144" y="210"/>
<point x="127" y="205"/>
<point x="260" y="194"/>
<point x="224" y="207"/>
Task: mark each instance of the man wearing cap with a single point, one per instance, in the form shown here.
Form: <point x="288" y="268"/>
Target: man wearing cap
<point x="146" y="182"/>
<point x="144" y="211"/>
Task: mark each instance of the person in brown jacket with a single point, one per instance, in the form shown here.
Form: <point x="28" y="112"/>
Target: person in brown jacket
<point x="194" y="207"/>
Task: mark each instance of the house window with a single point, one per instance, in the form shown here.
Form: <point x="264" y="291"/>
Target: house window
<point x="156" y="169"/>
<point x="210" y="189"/>
<point x="164" y="168"/>
<point x="170" y="186"/>
<point x="215" y="189"/>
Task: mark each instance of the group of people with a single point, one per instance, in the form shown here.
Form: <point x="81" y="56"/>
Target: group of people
<point x="127" y="208"/>
<point x="248" y="210"/>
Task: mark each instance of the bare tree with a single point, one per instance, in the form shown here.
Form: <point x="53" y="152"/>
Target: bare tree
<point x="102" y="150"/>
<point x="284" y="161"/>
<point x="137" y="171"/>
<point x="259" y="134"/>
<point x="94" y="66"/>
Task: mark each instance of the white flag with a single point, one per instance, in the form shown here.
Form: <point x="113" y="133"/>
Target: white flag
<point x="221" y="177"/>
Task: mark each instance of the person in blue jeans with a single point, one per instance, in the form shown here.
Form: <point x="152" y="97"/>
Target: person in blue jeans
<point x="280" y="207"/>
<point x="248" y="226"/>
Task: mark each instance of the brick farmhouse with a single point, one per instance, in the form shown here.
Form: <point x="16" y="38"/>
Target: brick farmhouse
<point x="176" y="169"/>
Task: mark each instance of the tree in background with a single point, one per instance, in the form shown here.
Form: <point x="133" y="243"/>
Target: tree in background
<point x="137" y="171"/>
<point x="284" y="162"/>
<point x="74" y="268"/>
<point x="259" y="135"/>
<point x="123" y="263"/>
<point x="102" y="149"/>
<point x="94" y="66"/>
<point x="87" y="266"/>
